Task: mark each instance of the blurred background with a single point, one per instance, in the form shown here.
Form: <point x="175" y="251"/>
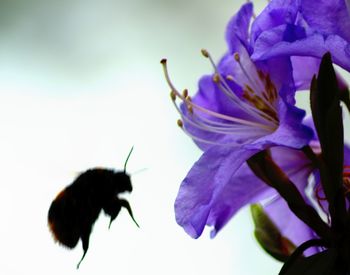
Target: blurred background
<point x="80" y="83"/>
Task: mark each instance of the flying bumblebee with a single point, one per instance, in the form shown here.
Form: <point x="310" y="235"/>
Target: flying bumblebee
<point x="74" y="211"/>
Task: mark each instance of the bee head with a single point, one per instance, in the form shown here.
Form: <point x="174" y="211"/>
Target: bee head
<point x="122" y="182"/>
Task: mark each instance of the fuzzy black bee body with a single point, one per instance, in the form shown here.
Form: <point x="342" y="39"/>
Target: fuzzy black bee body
<point x="74" y="211"/>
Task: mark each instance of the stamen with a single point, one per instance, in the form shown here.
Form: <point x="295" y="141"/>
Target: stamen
<point x="317" y="193"/>
<point x="214" y="122"/>
<point x="205" y="53"/>
<point x="208" y="141"/>
<point x="236" y="57"/>
<point x="233" y="119"/>
<point x="216" y="78"/>
<point x="224" y="87"/>
<point x="203" y="124"/>
<point x="167" y="78"/>
<point x="190" y="109"/>
<point x="319" y="200"/>
<point x="346" y="178"/>
<point x="173" y="96"/>
<point x="257" y="114"/>
<point x="185" y="93"/>
<point x="256" y="85"/>
<point x="206" y="111"/>
<point x="230" y="78"/>
<point x="266" y="202"/>
<point x="257" y="80"/>
<point x="203" y="140"/>
<point x="347" y="184"/>
<point x="218" y="127"/>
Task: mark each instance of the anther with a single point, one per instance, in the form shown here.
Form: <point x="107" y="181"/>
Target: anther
<point x="163" y="61"/>
<point x="346" y="181"/>
<point x="173" y="95"/>
<point x="180" y="123"/>
<point x="236" y="57"/>
<point x="230" y="77"/>
<point x="205" y="53"/>
<point x="216" y="78"/>
<point x="190" y="109"/>
<point x="185" y="93"/>
<point x="188" y="98"/>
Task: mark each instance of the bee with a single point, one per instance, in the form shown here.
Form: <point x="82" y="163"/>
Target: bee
<point x="76" y="208"/>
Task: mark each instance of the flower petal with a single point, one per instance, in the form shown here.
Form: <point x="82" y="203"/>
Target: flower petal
<point x="290" y="133"/>
<point x="290" y="226"/>
<point x="271" y="44"/>
<point x="277" y="12"/>
<point x="302" y="77"/>
<point x="211" y="97"/>
<point x="202" y="187"/>
<point x="298" y="168"/>
<point x="327" y="17"/>
<point x="243" y="188"/>
<point x="238" y="27"/>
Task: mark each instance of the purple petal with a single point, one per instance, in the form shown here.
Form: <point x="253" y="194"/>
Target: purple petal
<point x="271" y="44"/>
<point x="200" y="202"/>
<point x="202" y="187"/>
<point x="290" y="117"/>
<point x="243" y="188"/>
<point x="304" y="68"/>
<point x="277" y="12"/>
<point x="327" y="17"/>
<point x="238" y="27"/>
<point x="211" y="97"/>
<point x="281" y="73"/>
<point x="291" y="132"/>
<point x="347" y="154"/>
<point x="298" y="168"/>
<point x="290" y="226"/>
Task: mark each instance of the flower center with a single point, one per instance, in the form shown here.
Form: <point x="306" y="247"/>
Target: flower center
<point x="257" y="106"/>
<point x="260" y="91"/>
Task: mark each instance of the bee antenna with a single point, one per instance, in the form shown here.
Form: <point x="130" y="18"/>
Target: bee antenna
<point x="127" y="158"/>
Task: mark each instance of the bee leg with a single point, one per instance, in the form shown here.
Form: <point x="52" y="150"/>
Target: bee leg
<point x="125" y="204"/>
<point x="85" y="237"/>
<point x="112" y="209"/>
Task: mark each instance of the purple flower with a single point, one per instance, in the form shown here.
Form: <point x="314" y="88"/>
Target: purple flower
<point x="311" y="29"/>
<point x="243" y="108"/>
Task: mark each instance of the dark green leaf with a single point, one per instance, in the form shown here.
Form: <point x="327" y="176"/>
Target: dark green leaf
<point x="327" y="115"/>
<point x="323" y="263"/>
